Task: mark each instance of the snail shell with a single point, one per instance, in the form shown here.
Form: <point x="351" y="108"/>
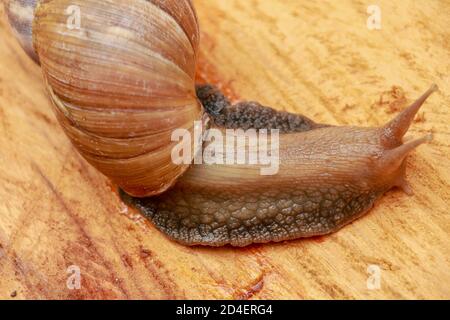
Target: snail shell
<point x="121" y="82"/>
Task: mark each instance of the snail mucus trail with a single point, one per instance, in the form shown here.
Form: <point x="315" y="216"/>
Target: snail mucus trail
<point x="126" y="79"/>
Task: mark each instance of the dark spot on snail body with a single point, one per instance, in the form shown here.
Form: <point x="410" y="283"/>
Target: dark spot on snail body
<point x="327" y="178"/>
<point x="249" y="114"/>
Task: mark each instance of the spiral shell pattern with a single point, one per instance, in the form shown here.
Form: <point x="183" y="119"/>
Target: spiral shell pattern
<point x="121" y="79"/>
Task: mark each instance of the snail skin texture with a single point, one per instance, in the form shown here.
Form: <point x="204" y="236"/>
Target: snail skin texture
<point x="125" y="80"/>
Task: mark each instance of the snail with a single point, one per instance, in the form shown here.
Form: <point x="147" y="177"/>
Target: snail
<point x="124" y="79"/>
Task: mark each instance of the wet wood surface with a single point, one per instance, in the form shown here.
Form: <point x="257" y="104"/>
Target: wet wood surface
<point x="317" y="58"/>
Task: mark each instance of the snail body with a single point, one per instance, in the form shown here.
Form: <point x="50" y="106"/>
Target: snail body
<point x="124" y="80"/>
<point x="328" y="177"/>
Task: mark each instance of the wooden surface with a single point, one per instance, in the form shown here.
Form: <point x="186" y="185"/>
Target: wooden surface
<point x="316" y="58"/>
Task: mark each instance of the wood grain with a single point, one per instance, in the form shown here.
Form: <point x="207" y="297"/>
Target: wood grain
<point x="317" y="58"/>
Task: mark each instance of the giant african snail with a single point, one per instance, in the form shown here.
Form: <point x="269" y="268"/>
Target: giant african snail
<point x="123" y="81"/>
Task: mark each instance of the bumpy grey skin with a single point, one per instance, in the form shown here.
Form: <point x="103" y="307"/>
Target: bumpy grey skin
<point x="249" y="114"/>
<point x="273" y="215"/>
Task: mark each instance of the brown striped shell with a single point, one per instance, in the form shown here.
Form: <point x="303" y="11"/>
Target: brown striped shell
<point x="121" y="82"/>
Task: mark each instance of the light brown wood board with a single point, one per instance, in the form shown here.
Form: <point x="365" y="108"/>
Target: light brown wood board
<point x="316" y="58"/>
